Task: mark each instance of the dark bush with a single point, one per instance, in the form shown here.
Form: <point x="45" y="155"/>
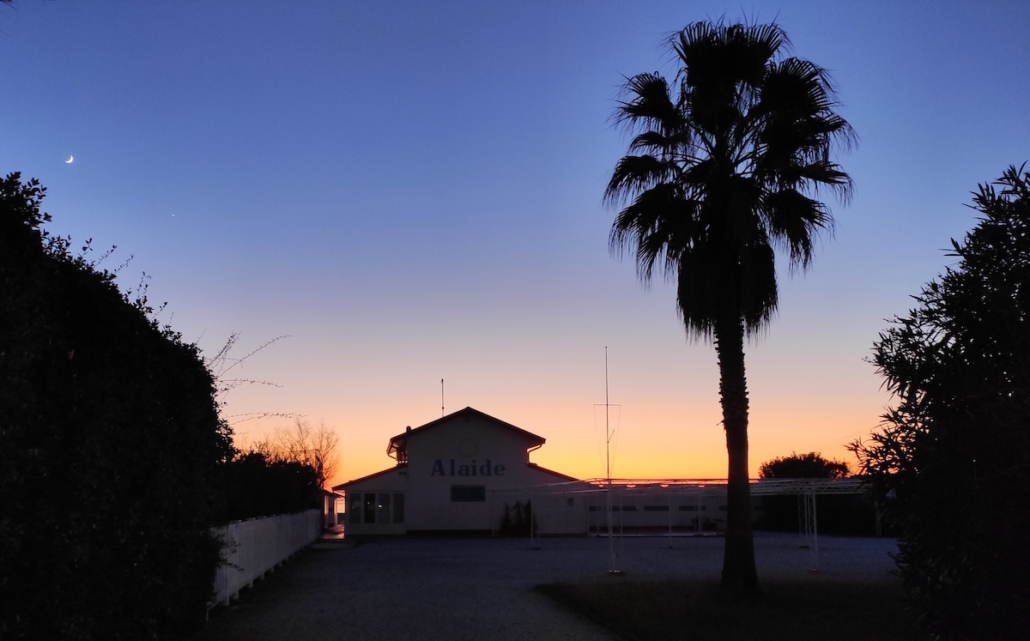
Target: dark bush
<point x="516" y="520"/>
<point x="841" y="514"/>
<point x="838" y="514"/>
<point x="952" y="457"/>
<point x="804" y="466"/>
<point x="255" y="488"/>
<point x="110" y="449"/>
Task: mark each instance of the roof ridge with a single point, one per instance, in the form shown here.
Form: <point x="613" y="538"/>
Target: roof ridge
<point x="399" y="441"/>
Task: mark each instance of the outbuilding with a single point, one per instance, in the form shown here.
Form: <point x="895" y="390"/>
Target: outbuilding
<point x="458" y="474"/>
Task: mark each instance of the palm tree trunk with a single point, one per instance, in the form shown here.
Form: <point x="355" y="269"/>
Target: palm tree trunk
<point x="739" y="576"/>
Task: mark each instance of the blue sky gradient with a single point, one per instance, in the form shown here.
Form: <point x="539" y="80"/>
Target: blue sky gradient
<point x="412" y="191"/>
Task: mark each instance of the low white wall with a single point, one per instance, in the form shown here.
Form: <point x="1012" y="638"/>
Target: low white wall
<point x="251" y="548"/>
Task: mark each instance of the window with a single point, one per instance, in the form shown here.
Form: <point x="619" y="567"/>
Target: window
<point x="656" y="508"/>
<point x="624" y="508"/>
<point x="370" y="508"/>
<point x="468" y="493"/>
<point x="355" y="509"/>
<point x="690" y="508"/>
<point x="398" y="508"/>
<point x="383" y="508"/>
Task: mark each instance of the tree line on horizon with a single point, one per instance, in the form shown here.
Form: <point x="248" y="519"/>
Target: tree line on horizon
<point x="838" y="514"/>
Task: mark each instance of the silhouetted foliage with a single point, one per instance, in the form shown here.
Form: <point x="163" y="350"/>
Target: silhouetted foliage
<point x="314" y="447"/>
<point x="803" y="466"/>
<point x="110" y="447"/>
<point x="843" y="514"/>
<point x="952" y="457"/>
<point x="516" y="520"/>
<point x="837" y="514"/>
<point x="726" y="161"/>
<point x="256" y="487"/>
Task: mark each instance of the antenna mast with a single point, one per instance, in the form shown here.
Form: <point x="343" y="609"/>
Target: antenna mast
<point x="607" y="433"/>
<point x="608" y="465"/>
<point x="612" y="571"/>
<point x="442" y="412"/>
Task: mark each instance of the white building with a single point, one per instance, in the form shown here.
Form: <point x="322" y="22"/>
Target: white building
<point x="465" y="472"/>
<point x="457" y="474"/>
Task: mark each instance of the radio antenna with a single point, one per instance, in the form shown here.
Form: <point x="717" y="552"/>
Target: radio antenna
<point x="612" y="571"/>
<point x="442" y="412"/>
<point x="607" y="431"/>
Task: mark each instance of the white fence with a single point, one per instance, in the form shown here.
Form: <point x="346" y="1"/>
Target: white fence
<point x="254" y="547"/>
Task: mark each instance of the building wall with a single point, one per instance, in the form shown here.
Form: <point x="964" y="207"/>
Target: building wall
<point x="657" y="509"/>
<point x="466" y="458"/>
<point x="454" y="467"/>
<point x="389" y="505"/>
<point x="555" y="514"/>
<point x="453" y="470"/>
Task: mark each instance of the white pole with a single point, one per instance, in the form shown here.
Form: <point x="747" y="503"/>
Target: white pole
<point x="608" y="470"/>
<point x="670" y="519"/>
<point x="697" y="519"/>
<point x="815" y="531"/>
<point x="529" y="506"/>
<point x="608" y="466"/>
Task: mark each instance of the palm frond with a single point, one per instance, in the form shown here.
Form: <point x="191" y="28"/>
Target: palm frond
<point x="657" y="227"/>
<point x="713" y="283"/>
<point x="799" y="85"/>
<point x="797" y="102"/>
<point x="825" y="174"/>
<point x="794" y="220"/>
<point x="634" y="174"/>
<point x="649" y="105"/>
<point x="759" y="294"/>
<point x="659" y="144"/>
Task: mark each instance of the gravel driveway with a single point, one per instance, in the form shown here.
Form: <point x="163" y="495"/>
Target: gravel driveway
<point x="455" y="589"/>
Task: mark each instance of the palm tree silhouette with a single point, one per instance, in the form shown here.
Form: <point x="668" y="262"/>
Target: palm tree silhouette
<point x="724" y="166"/>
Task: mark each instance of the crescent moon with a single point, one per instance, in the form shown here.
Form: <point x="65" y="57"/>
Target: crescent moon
<point x="69" y="161"/>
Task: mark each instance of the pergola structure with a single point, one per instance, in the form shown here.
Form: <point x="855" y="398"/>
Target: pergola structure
<point x="655" y="504"/>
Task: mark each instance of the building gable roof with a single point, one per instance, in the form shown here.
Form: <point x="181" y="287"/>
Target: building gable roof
<point x="399" y="444"/>
<point x="564" y="477"/>
<point x="343" y="486"/>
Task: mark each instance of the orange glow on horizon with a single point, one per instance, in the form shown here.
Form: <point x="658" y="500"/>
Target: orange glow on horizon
<point x="664" y="451"/>
<point x="667" y="425"/>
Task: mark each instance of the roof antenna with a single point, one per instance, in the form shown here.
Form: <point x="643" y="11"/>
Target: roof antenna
<point x="442" y="412"/>
<point x="608" y="471"/>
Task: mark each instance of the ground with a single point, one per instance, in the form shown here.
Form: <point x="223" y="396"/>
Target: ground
<point x="459" y="589"/>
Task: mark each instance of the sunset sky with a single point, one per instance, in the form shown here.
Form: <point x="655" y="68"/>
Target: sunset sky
<point x="412" y="191"/>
